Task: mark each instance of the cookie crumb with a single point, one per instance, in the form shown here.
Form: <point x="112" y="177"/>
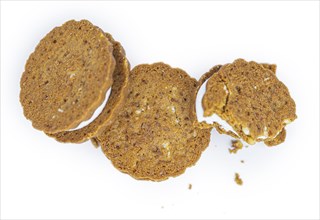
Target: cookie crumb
<point x="190" y="186"/>
<point x="237" y="179"/>
<point x="236" y="145"/>
<point x="242" y="161"/>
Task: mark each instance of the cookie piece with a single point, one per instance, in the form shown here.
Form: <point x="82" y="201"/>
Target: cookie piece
<point x="216" y="125"/>
<point x="251" y="99"/>
<point x="67" y="76"/>
<point x="115" y="101"/>
<point x="236" y="145"/>
<point x="237" y="179"/>
<point x="154" y="137"/>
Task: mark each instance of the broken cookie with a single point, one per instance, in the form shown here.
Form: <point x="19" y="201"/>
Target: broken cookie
<point x="252" y="100"/>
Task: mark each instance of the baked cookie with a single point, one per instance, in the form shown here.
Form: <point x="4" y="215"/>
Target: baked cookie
<point x="115" y="101"/>
<point x="154" y="136"/>
<point x="252" y="100"/>
<point x="67" y="76"/>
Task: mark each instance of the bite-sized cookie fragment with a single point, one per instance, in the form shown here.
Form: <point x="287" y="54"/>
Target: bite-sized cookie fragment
<point x="237" y="179"/>
<point x="115" y="101"/>
<point x="154" y="136"/>
<point x="251" y="99"/>
<point x="236" y="145"/>
<point x="67" y="76"/>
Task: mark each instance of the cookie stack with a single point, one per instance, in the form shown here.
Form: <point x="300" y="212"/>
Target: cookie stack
<point x="148" y="127"/>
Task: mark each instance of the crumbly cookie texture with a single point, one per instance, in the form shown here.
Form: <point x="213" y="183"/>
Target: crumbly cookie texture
<point x="154" y="136"/>
<point x="252" y="100"/>
<point x="67" y="76"/>
<point x="237" y="179"/>
<point x="236" y="145"/>
<point x="115" y="101"/>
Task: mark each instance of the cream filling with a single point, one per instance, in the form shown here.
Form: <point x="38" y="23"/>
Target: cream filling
<point x="224" y="124"/>
<point x="95" y="114"/>
<point x="214" y="117"/>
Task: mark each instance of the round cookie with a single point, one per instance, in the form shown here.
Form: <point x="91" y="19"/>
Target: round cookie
<point x="115" y="101"/>
<point x="67" y="76"/>
<point x="154" y="137"/>
<point x="251" y="99"/>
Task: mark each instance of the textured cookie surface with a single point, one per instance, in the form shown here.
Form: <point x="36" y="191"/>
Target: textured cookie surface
<point x="252" y="100"/>
<point x="115" y="101"/>
<point x="154" y="136"/>
<point x="67" y="76"/>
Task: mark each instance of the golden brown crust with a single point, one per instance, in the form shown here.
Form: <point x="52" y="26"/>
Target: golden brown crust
<point x="207" y="75"/>
<point x="154" y="137"/>
<point x="251" y="99"/>
<point x="67" y="76"/>
<point x="115" y="101"/>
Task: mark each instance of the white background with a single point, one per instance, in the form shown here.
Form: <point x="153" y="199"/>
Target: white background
<point x="41" y="178"/>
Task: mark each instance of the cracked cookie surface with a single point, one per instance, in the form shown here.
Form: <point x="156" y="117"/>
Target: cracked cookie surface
<point x="154" y="136"/>
<point x="252" y="100"/>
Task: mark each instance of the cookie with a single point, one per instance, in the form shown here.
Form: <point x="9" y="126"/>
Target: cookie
<point x="67" y="76"/>
<point x="154" y="137"/>
<point x="115" y="101"/>
<point x="216" y="125"/>
<point x="251" y="99"/>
